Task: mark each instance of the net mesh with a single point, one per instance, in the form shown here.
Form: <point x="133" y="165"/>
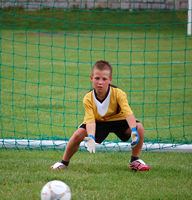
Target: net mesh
<point x="46" y="57"/>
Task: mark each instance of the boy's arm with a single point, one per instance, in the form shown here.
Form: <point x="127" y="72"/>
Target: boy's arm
<point x="90" y="140"/>
<point x="131" y="121"/>
<point x="134" y="134"/>
<point x="89" y="120"/>
<point x="90" y="127"/>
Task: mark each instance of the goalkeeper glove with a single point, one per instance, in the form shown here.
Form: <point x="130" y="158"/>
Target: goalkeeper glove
<point x="90" y="144"/>
<point x="134" y="137"/>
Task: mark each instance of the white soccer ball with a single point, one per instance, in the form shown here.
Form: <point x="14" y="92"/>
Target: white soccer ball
<point x="55" y="190"/>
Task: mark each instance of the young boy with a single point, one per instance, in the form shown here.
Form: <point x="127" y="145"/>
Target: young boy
<point x="106" y="110"/>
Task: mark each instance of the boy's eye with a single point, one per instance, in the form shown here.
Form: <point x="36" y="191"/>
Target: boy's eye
<point x="97" y="78"/>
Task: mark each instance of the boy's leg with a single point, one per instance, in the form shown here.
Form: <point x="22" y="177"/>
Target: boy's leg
<point x="136" y="163"/>
<point x="73" y="144"/>
<point x="137" y="149"/>
<point x="71" y="148"/>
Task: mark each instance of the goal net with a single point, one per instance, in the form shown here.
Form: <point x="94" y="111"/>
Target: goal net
<point x="46" y="55"/>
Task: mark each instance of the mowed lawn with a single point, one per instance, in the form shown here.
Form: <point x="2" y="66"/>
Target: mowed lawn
<point x="96" y="176"/>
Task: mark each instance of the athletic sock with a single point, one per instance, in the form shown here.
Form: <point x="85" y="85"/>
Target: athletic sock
<point x="65" y="162"/>
<point x="134" y="158"/>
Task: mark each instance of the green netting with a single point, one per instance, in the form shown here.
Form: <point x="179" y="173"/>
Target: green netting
<point x="46" y="57"/>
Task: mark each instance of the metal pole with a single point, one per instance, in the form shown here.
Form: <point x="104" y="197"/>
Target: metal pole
<point x="189" y="17"/>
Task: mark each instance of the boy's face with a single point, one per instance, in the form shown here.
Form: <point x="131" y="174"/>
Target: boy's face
<point x="101" y="80"/>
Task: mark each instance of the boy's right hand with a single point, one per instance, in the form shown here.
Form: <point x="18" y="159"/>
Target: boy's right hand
<point x="90" y="144"/>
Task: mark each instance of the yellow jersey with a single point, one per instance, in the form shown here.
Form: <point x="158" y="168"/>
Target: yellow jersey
<point x="113" y="108"/>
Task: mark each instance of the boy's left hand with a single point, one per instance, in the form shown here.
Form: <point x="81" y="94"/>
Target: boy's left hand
<point x="90" y="144"/>
<point x="134" y="137"/>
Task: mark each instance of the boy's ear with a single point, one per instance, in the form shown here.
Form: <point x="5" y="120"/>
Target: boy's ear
<point x="91" y="77"/>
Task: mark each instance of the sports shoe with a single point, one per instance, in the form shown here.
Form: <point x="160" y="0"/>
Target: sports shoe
<point x="138" y="165"/>
<point x="58" y="165"/>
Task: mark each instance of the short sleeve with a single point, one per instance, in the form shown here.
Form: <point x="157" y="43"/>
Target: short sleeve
<point x="123" y="103"/>
<point x="89" y="111"/>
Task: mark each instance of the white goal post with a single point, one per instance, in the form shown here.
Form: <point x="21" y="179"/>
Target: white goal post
<point x="189" y="17"/>
<point x="104" y="147"/>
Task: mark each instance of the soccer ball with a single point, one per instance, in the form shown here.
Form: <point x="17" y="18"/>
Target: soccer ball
<point x="56" y="190"/>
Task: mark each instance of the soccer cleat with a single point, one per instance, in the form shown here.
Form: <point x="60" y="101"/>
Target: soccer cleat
<point x="138" y="165"/>
<point x="58" y="165"/>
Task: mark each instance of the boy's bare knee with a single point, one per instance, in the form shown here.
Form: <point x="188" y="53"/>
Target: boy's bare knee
<point x="140" y="130"/>
<point x="78" y="136"/>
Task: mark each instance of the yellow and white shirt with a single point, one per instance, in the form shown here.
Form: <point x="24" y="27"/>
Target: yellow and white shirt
<point x="114" y="107"/>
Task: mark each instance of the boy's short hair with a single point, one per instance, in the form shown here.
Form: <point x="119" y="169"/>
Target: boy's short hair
<point x="102" y="65"/>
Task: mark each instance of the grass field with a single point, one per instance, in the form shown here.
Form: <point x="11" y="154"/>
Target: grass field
<point x="96" y="176"/>
<point x="45" y="68"/>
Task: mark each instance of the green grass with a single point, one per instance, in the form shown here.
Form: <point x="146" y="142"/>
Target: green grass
<point x="92" y="20"/>
<point x="96" y="176"/>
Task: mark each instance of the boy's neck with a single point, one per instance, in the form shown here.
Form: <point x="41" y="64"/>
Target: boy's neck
<point x="101" y="97"/>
